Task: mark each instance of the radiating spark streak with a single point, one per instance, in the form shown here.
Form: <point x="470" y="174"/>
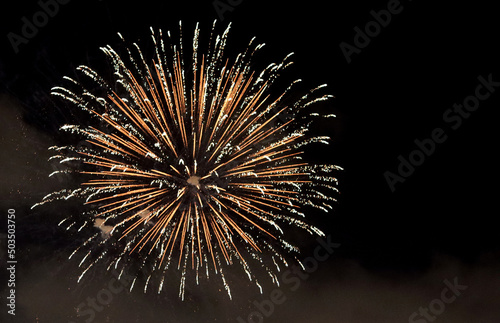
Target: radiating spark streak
<point x="121" y="194"/>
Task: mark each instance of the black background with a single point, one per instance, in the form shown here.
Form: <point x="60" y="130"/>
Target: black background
<point x="396" y="247"/>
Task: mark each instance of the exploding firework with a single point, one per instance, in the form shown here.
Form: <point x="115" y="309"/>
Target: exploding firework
<point x="190" y="165"/>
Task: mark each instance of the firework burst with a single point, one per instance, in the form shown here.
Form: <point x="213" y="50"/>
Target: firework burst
<point x="190" y="165"/>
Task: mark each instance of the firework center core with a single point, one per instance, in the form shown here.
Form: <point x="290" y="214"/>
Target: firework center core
<point x="194" y="180"/>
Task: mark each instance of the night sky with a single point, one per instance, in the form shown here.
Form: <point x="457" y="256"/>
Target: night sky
<point x="415" y="99"/>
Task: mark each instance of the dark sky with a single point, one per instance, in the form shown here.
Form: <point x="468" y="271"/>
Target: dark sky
<point x="403" y="229"/>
